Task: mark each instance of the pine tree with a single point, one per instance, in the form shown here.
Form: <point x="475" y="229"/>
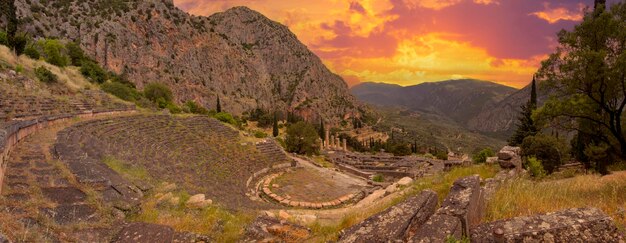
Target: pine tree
<point x="526" y="126"/>
<point x="219" y="105"/>
<point x="275" y="128"/>
<point x="322" y="131"/>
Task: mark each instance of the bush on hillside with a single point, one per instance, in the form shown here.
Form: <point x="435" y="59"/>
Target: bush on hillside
<point x="302" y="138"/>
<point x="193" y="107"/>
<point x="45" y="75"/>
<point x="481" y="157"/>
<point x="54" y="53"/>
<point x="4" y="40"/>
<point x="121" y="91"/>
<point x="158" y="93"/>
<point x="32" y="52"/>
<point x="226" y="118"/>
<point x="93" y="72"/>
<point x="440" y="154"/>
<point x="75" y="53"/>
<point x="548" y="149"/>
<point x="534" y="166"/>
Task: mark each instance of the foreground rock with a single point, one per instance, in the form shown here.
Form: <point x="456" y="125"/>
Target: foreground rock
<point x="266" y="229"/>
<point x="395" y="222"/>
<point x="571" y="225"/>
<point x="465" y="201"/>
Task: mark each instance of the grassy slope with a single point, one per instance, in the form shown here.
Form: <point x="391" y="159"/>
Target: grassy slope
<point x="525" y="197"/>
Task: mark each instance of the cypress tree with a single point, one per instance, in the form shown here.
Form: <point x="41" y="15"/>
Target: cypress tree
<point x="322" y="131"/>
<point x="526" y="126"/>
<point x="275" y="128"/>
<point x="218" y="107"/>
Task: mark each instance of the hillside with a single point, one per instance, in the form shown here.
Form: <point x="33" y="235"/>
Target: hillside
<point x="460" y="100"/>
<point x="501" y="117"/>
<point x="246" y="59"/>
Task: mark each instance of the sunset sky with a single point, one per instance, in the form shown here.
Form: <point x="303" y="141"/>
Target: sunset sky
<point x="408" y="42"/>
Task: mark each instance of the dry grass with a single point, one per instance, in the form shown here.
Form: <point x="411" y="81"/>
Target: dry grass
<point x="524" y="197"/>
<point x="70" y="76"/>
<point x="439" y="183"/>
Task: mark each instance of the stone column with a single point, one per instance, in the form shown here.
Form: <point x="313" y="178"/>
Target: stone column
<point x="345" y="144"/>
<point x="338" y="142"/>
<point x="331" y="143"/>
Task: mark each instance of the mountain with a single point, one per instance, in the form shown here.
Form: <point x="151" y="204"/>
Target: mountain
<point x="501" y="117"/>
<point x="459" y="100"/>
<point x="246" y="59"/>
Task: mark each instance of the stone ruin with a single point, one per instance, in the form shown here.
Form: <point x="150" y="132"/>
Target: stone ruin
<point x="510" y="158"/>
<point x="418" y="220"/>
<point x="396" y="167"/>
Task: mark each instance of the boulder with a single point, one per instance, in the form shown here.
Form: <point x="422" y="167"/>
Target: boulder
<point x="144" y="232"/>
<point x="571" y="225"/>
<point x="266" y="229"/>
<point x="465" y="201"/>
<point x="393" y="223"/>
<point x="198" y="201"/>
<point x="505" y="155"/>
<point x="405" y="181"/>
<point x="283" y="215"/>
<point x="437" y="229"/>
<point x="391" y="189"/>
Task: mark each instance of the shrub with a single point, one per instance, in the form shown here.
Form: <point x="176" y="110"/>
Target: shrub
<point x="442" y="155"/>
<point x="93" y="72"/>
<point x="4" y="39"/>
<point x="44" y="75"/>
<point x="193" y="107"/>
<point x="19" y="43"/>
<point x="534" y="166"/>
<point x="157" y="91"/>
<point x="226" y="118"/>
<point x="548" y="149"/>
<point x="302" y="138"/>
<point x="121" y="91"/>
<point x="19" y="68"/>
<point x="173" y="108"/>
<point x="32" y="52"/>
<point x="481" y="157"/>
<point x="54" y="53"/>
<point x="260" y="134"/>
<point x="378" y="178"/>
<point x="75" y="53"/>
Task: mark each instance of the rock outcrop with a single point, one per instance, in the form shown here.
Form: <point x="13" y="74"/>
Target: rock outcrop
<point x="510" y="158"/>
<point x="395" y="222"/>
<point x="571" y="225"/>
<point x="246" y="59"/>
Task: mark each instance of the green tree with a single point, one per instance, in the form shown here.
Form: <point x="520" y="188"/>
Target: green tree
<point x="548" y="149"/>
<point x="481" y="157"/>
<point x="54" y="53"/>
<point x="9" y="11"/>
<point x="275" y="126"/>
<point x="75" y="53"/>
<point x="45" y="75"/>
<point x="587" y="78"/>
<point x="158" y="92"/>
<point x="322" y="131"/>
<point x="526" y="126"/>
<point x="4" y="39"/>
<point x="302" y="138"/>
<point x="93" y="72"/>
<point x="32" y="52"/>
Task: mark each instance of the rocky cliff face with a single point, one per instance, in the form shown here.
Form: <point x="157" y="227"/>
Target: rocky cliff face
<point x="247" y="59"/>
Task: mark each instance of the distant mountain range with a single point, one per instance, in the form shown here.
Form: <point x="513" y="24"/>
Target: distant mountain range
<point x="459" y="100"/>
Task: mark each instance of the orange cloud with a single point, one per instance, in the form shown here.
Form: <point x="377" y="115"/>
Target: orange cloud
<point x="553" y="15"/>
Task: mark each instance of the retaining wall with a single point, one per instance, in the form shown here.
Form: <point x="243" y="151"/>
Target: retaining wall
<point x="13" y="132"/>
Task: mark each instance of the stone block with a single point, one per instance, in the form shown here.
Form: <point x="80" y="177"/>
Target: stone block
<point x="570" y="225"/>
<point x="437" y="229"/>
<point x="393" y="223"/>
<point x="465" y="201"/>
<point x="144" y="232"/>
